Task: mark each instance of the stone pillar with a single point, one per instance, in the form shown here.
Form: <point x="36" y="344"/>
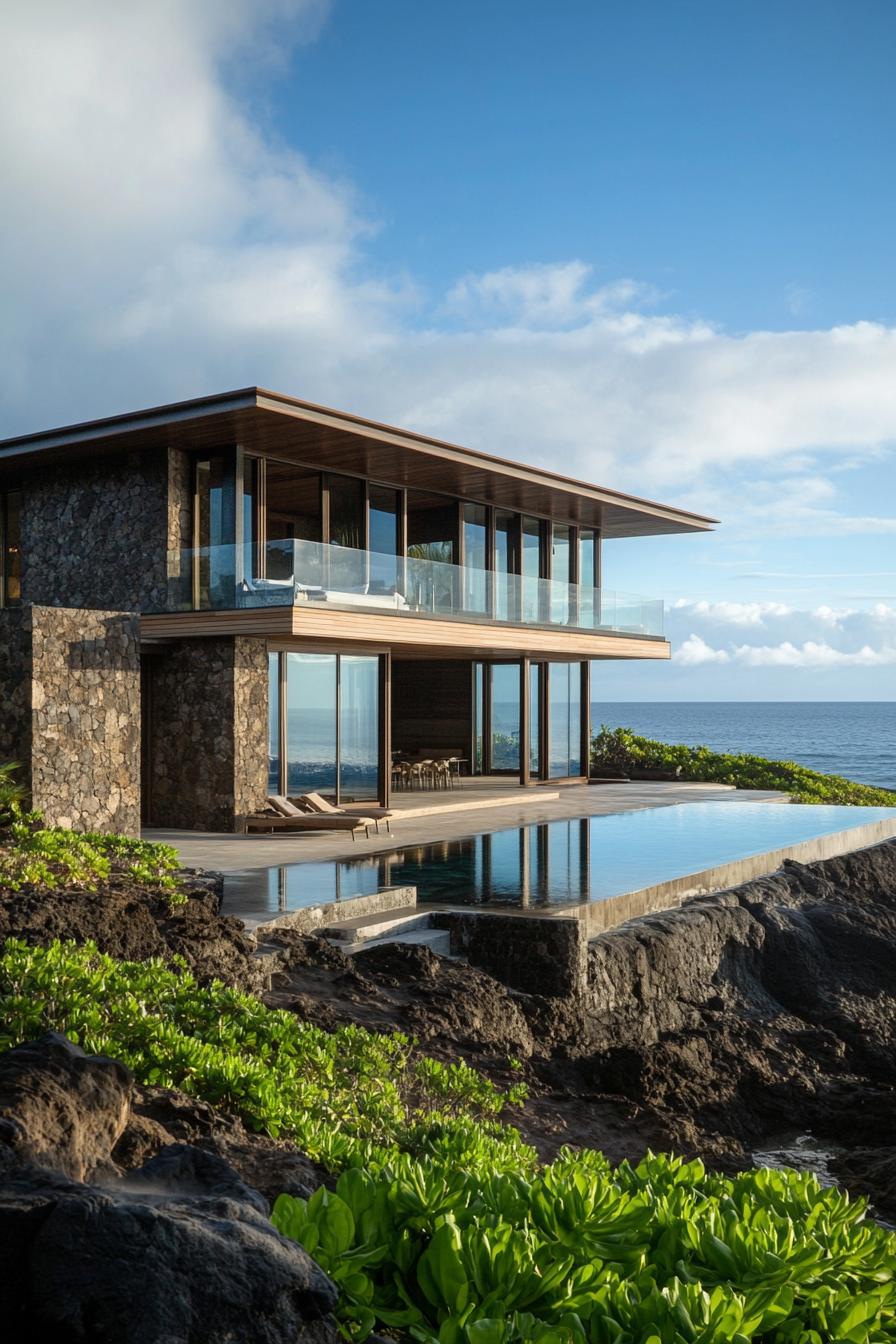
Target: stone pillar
<point x="70" y="713"/>
<point x="208" y="743"/>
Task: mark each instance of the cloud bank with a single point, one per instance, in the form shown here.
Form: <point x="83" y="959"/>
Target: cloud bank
<point x="160" y="242"/>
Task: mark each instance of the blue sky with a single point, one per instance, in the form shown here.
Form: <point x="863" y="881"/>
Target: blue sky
<point x="647" y="244"/>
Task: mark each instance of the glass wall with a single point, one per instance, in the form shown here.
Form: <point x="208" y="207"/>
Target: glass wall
<point x="564" y="719"/>
<point x="589" y="613"/>
<point x="561" y="572"/>
<point x="535" y="675"/>
<point x="273" y="723"/>
<point x="478" y="718"/>
<point x="216" y="531"/>
<point x="506" y="530"/>
<point x="359" y="698"/>
<point x="532" y="568"/>
<point x="505" y="716"/>
<point x="10" y="548"/>
<point x="475" y="557"/>
<point x="329" y="719"/>
<point x="384" y="543"/>
<point x="432" y="536"/>
<point x="293" y="513"/>
<point x="310" y="723"/>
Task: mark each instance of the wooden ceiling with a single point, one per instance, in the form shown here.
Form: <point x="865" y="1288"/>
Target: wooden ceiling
<point x="267" y="422"/>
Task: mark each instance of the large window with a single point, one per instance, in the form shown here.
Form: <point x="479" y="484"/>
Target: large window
<point x="384" y="543"/>
<point x="589" y="610"/>
<point x="564" y="719"/>
<point x="328" y="718"/>
<point x="215" y="532"/>
<point x="561" y="572"/>
<point x="10" y="548"/>
<point x="475" y="557"/>
<point x="533" y="569"/>
<point x="506" y="566"/>
<point x="497" y="722"/>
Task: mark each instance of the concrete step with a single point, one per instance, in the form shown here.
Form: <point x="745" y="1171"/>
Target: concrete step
<point x="369" y="927"/>
<point x="437" y="940"/>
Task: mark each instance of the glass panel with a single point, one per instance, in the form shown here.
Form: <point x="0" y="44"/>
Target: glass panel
<point x="216" y="525"/>
<point x="475" y="557"/>
<point x="535" y="719"/>
<point x="432" y="537"/>
<point x="359" y="701"/>
<point x="506" y="604"/>
<point x="346" y="530"/>
<point x="564" y="719"/>
<point x="250" y="496"/>
<point x="532" y="568"/>
<point x="385" y="510"/>
<point x="561" y="572"/>
<point x="478" y="716"/>
<point x="505" y="688"/>
<point x="310" y="723"/>
<point x="11" y="541"/>
<point x="273" y="723"/>
<point x="292" y="513"/>
<point x="587" y="574"/>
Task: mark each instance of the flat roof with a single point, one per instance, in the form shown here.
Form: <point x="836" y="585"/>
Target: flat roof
<point x="270" y="422"/>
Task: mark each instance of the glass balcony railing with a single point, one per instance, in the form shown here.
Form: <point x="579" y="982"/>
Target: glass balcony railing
<point x="288" y="573"/>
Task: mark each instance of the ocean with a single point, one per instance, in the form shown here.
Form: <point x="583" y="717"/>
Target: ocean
<point x="852" y="738"/>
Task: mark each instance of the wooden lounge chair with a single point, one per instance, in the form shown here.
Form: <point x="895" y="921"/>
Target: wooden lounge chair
<point x="313" y="802"/>
<point x="285" y="816"/>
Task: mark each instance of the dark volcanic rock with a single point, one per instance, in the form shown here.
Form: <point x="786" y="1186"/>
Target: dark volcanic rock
<point x="130" y="1265"/>
<point x="132" y="924"/>
<point x="62" y="1108"/>
<point x="179" y="1249"/>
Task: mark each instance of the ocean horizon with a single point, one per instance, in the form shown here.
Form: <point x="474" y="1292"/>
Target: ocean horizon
<point x="854" y="738"/>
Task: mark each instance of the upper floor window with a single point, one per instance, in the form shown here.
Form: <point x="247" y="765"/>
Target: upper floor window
<point x="10" y="548"/>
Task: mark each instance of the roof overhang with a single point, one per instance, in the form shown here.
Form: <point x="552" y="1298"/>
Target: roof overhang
<point x="267" y="422"/>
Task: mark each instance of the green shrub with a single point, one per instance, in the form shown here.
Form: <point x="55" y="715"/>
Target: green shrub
<point x="579" y="1253"/>
<point x="345" y="1097"/>
<point x="32" y="854"/>
<point x="12" y="793"/>
<point x="621" y="749"/>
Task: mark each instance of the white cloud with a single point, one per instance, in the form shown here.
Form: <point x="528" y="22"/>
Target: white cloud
<point x="158" y="244"/>
<point x="694" y="651"/>
<point x="820" y="638"/>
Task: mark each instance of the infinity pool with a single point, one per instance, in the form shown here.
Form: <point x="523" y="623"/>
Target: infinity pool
<point x="558" y="862"/>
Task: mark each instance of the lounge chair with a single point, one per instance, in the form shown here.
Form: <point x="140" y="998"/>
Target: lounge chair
<point x="284" y="816"/>
<point x="313" y="802"/>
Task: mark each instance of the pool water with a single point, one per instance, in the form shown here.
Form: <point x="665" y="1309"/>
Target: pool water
<point x="557" y="862"/>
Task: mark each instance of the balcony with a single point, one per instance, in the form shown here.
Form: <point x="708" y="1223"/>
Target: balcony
<point x="305" y="573"/>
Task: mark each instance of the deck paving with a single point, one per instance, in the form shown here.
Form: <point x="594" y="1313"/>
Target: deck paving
<point x="501" y="804"/>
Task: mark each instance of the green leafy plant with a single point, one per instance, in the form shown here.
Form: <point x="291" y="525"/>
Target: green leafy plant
<point x="346" y="1097"/>
<point x="32" y="854"/>
<point x="12" y="793"/>
<point x="621" y="749"/>
<point x="580" y="1253"/>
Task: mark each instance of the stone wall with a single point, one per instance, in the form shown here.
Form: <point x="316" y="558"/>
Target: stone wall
<point x="97" y="534"/>
<point x="546" y="956"/>
<point x="70" y="697"/>
<point x="208" y="733"/>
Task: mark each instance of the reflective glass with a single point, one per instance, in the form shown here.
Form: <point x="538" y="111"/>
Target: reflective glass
<point x="564" y="719"/>
<point x="505" y="716"/>
<point x="561" y="571"/>
<point x="359" y="697"/>
<point x="385" y="509"/>
<point x="531" y="569"/>
<point x="310" y="723"/>
<point x="475" y="557"/>
<point x="273" y="723"/>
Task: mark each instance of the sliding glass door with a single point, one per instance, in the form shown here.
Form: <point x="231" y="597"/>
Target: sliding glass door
<point x="325" y="724"/>
<point x="564" y="720"/>
<point x="497" y="718"/>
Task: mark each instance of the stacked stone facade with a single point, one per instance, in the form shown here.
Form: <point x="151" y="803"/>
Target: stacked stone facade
<point x="100" y="533"/>
<point x="207" y="732"/>
<point x="70" y="713"/>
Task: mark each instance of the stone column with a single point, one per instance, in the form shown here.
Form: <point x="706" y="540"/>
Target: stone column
<point x="70" y="701"/>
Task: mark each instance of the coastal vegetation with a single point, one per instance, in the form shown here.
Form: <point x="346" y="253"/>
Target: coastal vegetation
<point x="619" y="749"/>
<point x="33" y="854"/>
<point x="443" y="1227"/>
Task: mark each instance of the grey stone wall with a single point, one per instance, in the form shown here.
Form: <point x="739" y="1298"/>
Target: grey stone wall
<point x="208" y="733"/>
<point x="97" y="534"/>
<point x="547" y="956"/>
<point x="70" y="695"/>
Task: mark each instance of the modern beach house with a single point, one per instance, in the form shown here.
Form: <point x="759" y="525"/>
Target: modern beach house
<point x="205" y="603"/>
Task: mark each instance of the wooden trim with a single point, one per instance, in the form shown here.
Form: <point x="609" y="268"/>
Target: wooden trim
<point x="403" y="631"/>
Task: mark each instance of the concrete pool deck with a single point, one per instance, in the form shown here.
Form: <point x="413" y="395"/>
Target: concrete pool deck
<point x="491" y="805"/>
